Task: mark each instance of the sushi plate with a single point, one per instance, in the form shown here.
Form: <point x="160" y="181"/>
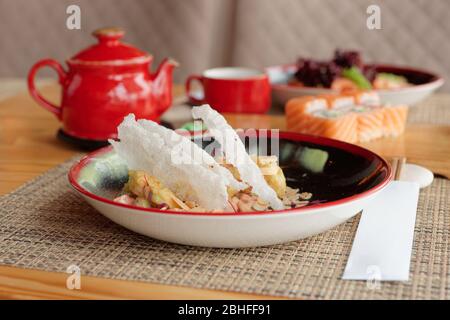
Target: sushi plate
<point x="424" y="82"/>
<point x="349" y="179"/>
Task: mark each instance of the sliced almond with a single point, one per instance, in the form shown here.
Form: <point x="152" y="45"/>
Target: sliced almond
<point x="180" y="203"/>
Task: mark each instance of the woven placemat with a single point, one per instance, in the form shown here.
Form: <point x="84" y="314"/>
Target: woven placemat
<point x="433" y="110"/>
<point x="45" y="225"/>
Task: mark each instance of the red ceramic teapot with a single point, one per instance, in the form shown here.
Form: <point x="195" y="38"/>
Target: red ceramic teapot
<point x="104" y="83"/>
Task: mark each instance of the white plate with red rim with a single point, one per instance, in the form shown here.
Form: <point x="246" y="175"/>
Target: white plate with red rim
<point x="424" y="83"/>
<point x="350" y="178"/>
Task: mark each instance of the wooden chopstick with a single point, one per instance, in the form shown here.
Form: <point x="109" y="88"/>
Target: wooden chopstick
<point x="397" y="164"/>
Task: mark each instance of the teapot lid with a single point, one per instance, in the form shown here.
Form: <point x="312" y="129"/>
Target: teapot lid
<point x="110" y="50"/>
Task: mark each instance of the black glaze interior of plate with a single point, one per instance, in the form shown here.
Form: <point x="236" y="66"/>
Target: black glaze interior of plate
<point x="90" y="145"/>
<point x="344" y="174"/>
<point x="348" y="170"/>
<point x="413" y="76"/>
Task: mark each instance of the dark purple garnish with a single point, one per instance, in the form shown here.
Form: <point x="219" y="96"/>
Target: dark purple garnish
<point x="370" y="72"/>
<point x="317" y="201"/>
<point x="348" y="59"/>
<point x="163" y="206"/>
<point x="315" y="73"/>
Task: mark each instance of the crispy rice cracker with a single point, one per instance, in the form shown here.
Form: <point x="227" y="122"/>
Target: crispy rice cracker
<point x="236" y="154"/>
<point x="144" y="146"/>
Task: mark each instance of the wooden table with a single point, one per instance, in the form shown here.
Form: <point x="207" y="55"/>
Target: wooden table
<point x="28" y="147"/>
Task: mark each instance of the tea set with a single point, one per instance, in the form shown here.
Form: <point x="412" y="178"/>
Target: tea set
<point x="110" y="79"/>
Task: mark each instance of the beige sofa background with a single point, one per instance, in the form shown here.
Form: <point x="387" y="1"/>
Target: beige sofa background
<point x="206" y="33"/>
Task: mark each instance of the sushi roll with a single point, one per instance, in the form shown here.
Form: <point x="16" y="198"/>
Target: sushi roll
<point x="336" y="124"/>
<point x="367" y="98"/>
<point x="370" y="122"/>
<point x="370" y="114"/>
<point x="350" y="116"/>
<point x="394" y="120"/>
<point x="336" y="102"/>
<point x="297" y="107"/>
<point x="305" y="104"/>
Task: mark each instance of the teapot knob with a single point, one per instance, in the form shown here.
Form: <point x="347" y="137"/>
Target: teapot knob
<point x="109" y="34"/>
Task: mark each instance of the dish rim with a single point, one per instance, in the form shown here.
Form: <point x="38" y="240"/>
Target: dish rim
<point x="297" y="137"/>
<point x="437" y="80"/>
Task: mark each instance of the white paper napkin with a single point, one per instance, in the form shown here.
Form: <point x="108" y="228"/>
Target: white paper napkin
<point x="383" y="242"/>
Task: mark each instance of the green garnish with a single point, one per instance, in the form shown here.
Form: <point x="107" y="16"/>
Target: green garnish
<point x="193" y="126"/>
<point x="141" y="202"/>
<point x="313" y="160"/>
<point x="355" y="75"/>
<point x="392" y="77"/>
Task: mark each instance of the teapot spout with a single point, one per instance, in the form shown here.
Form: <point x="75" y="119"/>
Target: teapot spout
<point x="162" y="85"/>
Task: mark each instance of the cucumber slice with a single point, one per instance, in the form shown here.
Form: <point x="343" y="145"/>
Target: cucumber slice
<point x="193" y="126"/>
<point x="392" y="77"/>
<point x="313" y="160"/>
<point x="355" y="75"/>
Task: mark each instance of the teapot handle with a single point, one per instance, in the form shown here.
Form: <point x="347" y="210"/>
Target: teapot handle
<point x="194" y="100"/>
<point x="33" y="91"/>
